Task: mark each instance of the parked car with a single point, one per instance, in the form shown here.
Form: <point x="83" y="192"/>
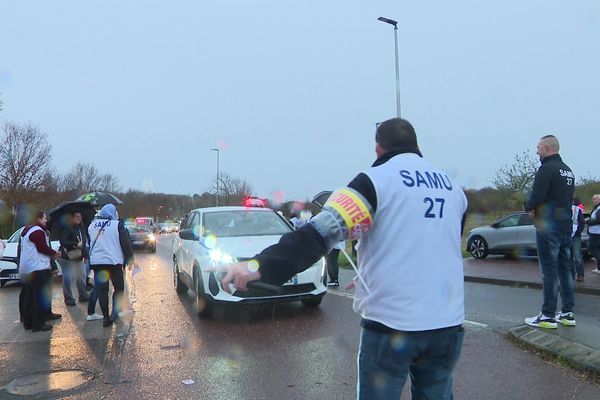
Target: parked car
<point x="142" y="237"/>
<point x="513" y="234"/>
<point x="220" y="235"/>
<point x="9" y="270"/>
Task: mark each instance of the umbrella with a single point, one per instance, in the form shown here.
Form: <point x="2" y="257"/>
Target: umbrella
<point x="321" y="198"/>
<point x="99" y="199"/>
<point x="60" y="216"/>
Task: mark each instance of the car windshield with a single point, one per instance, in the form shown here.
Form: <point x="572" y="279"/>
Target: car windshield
<point x="243" y="223"/>
<point x="138" y="229"/>
<point x="15" y="236"/>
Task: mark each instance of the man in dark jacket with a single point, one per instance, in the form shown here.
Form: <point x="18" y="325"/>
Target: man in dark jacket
<point x="72" y="239"/>
<point x="550" y="207"/>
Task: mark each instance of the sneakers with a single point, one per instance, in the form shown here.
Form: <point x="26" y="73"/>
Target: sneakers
<point x="596" y="271"/>
<point x="333" y="284"/>
<point x="541" y="321"/>
<point x="579" y="278"/>
<point x="70" y="303"/>
<point x="94" y="317"/>
<point x="567" y="319"/>
<point x="107" y="322"/>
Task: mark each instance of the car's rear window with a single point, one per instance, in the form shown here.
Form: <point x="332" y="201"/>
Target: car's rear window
<point x="243" y="223"/>
<point x="138" y="229"/>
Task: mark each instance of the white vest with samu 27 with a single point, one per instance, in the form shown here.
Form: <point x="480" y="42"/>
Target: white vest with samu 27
<point x="106" y="250"/>
<point x="411" y="259"/>
<point x="30" y="259"/>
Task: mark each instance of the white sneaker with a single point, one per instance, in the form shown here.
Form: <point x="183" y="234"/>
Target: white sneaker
<point x="94" y="317"/>
<point x="567" y="319"/>
<point x="596" y="271"/>
<point x="541" y="321"/>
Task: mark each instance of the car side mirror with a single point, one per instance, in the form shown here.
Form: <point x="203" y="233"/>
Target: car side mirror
<point x="495" y="225"/>
<point x="188" y="234"/>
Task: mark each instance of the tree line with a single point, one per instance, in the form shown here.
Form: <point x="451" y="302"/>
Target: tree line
<point x="29" y="182"/>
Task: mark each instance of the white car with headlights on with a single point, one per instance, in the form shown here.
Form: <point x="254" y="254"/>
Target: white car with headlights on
<point x="9" y="270"/>
<point x="217" y="236"/>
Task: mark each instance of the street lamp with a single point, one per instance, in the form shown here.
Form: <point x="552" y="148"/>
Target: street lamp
<point x="395" y="23"/>
<point x="218" y="154"/>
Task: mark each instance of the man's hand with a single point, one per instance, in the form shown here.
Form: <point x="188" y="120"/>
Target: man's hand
<point x="240" y="274"/>
<point x="56" y="255"/>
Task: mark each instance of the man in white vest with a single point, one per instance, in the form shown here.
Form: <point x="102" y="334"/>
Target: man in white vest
<point x="35" y="256"/>
<point x="110" y="250"/>
<point x="410" y="297"/>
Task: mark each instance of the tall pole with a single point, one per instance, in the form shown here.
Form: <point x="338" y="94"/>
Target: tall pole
<point x="395" y="24"/>
<point x="218" y="156"/>
<point x="397" y="72"/>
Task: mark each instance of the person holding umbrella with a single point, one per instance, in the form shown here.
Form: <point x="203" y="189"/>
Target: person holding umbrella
<point x="72" y="239"/>
<point x="110" y="250"/>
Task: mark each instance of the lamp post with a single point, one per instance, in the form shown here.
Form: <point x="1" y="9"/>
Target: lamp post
<point x="395" y="24"/>
<point x="218" y="155"/>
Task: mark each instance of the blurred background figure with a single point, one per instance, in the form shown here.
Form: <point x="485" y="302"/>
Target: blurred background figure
<point x="72" y="239"/>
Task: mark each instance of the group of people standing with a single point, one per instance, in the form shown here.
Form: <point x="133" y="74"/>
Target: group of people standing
<point x="103" y="247"/>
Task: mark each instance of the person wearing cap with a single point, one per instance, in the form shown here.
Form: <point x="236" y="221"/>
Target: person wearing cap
<point x="110" y="250"/>
<point x="549" y="205"/>
<point x="410" y="298"/>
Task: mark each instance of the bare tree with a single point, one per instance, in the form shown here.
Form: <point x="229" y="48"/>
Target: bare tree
<point x="25" y="162"/>
<point x="83" y="178"/>
<point x="231" y="189"/>
<point x="518" y="176"/>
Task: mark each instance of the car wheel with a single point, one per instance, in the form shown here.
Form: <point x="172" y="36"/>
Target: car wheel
<point x="312" y="302"/>
<point x="204" y="307"/>
<point x="180" y="287"/>
<point x="478" y="248"/>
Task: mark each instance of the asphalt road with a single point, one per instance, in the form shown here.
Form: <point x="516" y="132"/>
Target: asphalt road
<point x="255" y="352"/>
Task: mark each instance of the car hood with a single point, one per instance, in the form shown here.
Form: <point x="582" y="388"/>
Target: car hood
<point x="246" y="246"/>
<point x="10" y="251"/>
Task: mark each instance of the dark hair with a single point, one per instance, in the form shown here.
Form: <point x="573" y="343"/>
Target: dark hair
<point x="396" y="133"/>
<point x="576" y="201"/>
<point x="547" y="137"/>
<point x="77" y="212"/>
<point x="38" y="215"/>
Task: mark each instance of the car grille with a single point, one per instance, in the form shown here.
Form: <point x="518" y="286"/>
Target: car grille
<point x="288" y="290"/>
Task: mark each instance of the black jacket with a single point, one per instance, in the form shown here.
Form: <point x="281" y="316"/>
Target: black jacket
<point x="70" y="236"/>
<point x="552" y="195"/>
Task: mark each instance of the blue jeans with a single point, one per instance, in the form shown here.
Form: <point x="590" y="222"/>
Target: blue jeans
<point x="577" y="256"/>
<point x="554" y="255"/>
<point x="73" y="270"/>
<point x="386" y="359"/>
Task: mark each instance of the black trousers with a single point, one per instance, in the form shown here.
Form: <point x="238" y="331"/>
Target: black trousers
<point x="332" y="264"/>
<point x="35" y="299"/>
<point x="102" y="274"/>
<point x="594" y="245"/>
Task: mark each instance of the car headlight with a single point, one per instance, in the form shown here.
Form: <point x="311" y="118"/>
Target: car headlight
<point x="151" y="237"/>
<point x="218" y="256"/>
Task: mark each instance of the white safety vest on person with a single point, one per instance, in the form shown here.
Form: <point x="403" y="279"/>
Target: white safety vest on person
<point x="594" y="229"/>
<point x="30" y="259"/>
<point x="105" y="247"/>
<point x="410" y="259"/>
<point x="575" y="211"/>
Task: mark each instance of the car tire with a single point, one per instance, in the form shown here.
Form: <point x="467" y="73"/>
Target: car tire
<point x="313" y="302"/>
<point x="180" y="287"/>
<point x="204" y="307"/>
<point x="478" y="248"/>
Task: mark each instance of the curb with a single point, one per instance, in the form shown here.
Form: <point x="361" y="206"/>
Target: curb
<point x="523" y="284"/>
<point x="578" y="354"/>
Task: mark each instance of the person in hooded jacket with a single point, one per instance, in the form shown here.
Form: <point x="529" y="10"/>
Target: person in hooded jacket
<point x="110" y="250"/>
<point x="35" y="258"/>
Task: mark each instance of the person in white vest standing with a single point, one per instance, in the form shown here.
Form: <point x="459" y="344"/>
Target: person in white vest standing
<point x="35" y="256"/>
<point x="110" y="250"/>
<point x="410" y="298"/>
<point x="594" y="231"/>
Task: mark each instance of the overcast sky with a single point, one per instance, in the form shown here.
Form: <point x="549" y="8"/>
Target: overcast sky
<point x="291" y="90"/>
